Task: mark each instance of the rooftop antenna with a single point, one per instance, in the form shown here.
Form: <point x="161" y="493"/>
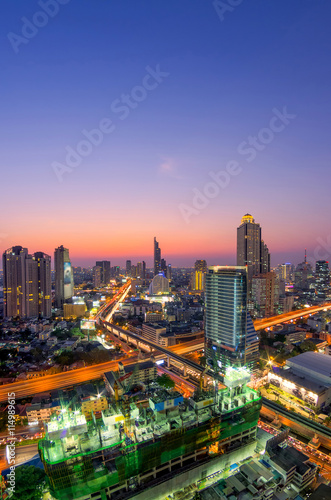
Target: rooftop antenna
<point x="305" y="255"/>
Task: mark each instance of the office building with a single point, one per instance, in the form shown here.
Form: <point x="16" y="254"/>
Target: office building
<point x="139" y="269"/>
<point x="157" y="257"/>
<point x="322" y="278"/>
<point x="163" y="266"/>
<point x="64" y="282"/>
<point x="44" y="284"/>
<point x="284" y="272"/>
<point x="96" y="276"/>
<point x="71" y="311"/>
<point x="251" y="249"/>
<point x="230" y="337"/>
<point x="264" y="294"/>
<point x="143" y="270"/>
<point x="159" y="285"/>
<point x="128" y="267"/>
<point x="303" y="275"/>
<point x="105" y="271"/>
<point x="14" y="282"/>
<point x="169" y="272"/>
<point x="27" y="283"/>
<point x="199" y="275"/>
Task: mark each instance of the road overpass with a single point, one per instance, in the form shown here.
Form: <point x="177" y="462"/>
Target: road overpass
<point x="171" y="353"/>
<point x="261" y="324"/>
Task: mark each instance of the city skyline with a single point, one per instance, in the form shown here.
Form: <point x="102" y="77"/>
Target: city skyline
<point x="197" y="115"/>
<point x="178" y="260"/>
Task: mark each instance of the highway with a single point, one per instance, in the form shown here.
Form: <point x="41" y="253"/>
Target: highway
<point x="60" y="380"/>
<point x="113" y="304"/>
<point x="22" y="454"/>
<point x="260" y="324"/>
<point x="26" y="388"/>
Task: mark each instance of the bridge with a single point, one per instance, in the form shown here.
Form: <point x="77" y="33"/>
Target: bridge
<point x="173" y="353"/>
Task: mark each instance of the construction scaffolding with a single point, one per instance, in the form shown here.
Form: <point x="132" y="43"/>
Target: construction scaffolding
<point x="82" y="458"/>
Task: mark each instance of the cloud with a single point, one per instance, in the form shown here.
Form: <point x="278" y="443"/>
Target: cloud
<point x="169" y="168"/>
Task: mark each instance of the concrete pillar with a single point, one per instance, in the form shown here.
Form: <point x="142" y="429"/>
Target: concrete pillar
<point x="168" y="361"/>
<point x="184" y="370"/>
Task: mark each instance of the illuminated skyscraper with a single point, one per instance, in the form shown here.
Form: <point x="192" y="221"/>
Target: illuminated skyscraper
<point x="105" y="270"/>
<point x="199" y="275"/>
<point x="128" y="267"/>
<point x="322" y="278"/>
<point x="44" y="284"/>
<point x="14" y="282"/>
<point x="230" y="337"/>
<point x="265" y="294"/>
<point x="251" y="249"/>
<point x="64" y="281"/>
<point x="96" y="275"/>
<point x="27" y="283"/>
<point x="157" y="257"/>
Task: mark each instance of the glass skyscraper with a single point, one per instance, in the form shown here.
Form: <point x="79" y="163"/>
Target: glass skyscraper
<point x="230" y="337"/>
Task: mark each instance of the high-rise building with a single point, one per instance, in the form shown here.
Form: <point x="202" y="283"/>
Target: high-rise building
<point x="303" y="274"/>
<point x="251" y="249"/>
<point x="164" y="266"/>
<point x="44" y="284"/>
<point x="128" y="267"/>
<point x="199" y="275"/>
<point x="264" y="294"/>
<point x="157" y="257"/>
<point x="322" y="278"/>
<point x="230" y="337"/>
<point x="27" y="283"/>
<point x="96" y="276"/>
<point x="265" y="258"/>
<point x="64" y="281"/>
<point x="139" y="269"/>
<point x="14" y="282"/>
<point x="285" y="271"/>
<point x="143" y="271"/>
<point x="169" y="272"/>
<point x="105" y="270"/>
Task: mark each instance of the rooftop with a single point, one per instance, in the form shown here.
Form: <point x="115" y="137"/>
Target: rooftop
<point x="312" y="361"/>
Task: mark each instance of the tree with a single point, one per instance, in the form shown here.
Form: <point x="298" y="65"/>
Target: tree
<point x="308" y="345"/>
<point x="29" y="483"/>
<point x="203" y="360"/>
<point x="165" y="381"/>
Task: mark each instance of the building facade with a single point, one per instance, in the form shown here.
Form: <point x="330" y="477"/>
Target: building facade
<point x="27" y="283"/>
<point x="199" y="275"/>
<point x="230" y="337"/>
<point x="251" y="249"/>
<point x="64" y="281"/>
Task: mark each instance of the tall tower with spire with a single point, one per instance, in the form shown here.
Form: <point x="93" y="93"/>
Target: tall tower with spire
<point x="157" y="257"/>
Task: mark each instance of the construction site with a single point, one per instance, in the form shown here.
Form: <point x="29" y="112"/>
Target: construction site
<point x="135" y="447"/>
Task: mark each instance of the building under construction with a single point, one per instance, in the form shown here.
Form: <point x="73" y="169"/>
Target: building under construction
<point x="133" y="448"/>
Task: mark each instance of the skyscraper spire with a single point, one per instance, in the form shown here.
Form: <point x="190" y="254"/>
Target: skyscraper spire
<point x="305" y="255"/>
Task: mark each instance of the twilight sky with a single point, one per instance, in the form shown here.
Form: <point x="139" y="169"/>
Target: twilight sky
<point x="180" y="90"/>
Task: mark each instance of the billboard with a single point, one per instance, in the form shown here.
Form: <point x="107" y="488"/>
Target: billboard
<point x="86" y="324"/>
<point x="67" y="273"/>
<point x="67" y="280"/>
